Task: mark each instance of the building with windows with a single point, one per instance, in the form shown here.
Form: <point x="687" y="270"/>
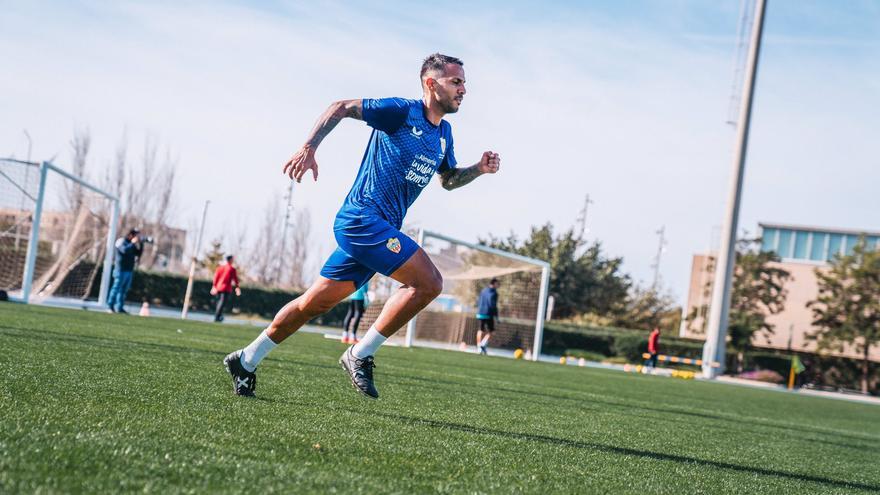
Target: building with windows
<point x="810" y="244"/>
<point x="802" y="251"/>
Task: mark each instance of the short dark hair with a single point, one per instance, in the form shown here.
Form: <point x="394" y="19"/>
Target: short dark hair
<point x="134" y="231"/>
<point x="493" y="281"/>
<point x="438" y="61"/>
<point x="229" y="257"/>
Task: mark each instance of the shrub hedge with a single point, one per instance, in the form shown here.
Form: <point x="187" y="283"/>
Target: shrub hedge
<point x="824" y="371"/>
<point x="169" y="289"/>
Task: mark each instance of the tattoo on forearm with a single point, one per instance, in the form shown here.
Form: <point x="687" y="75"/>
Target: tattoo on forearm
<point x="328" y="120"/>
<point x="459" y="177"/>
<point x="325" y="124"/>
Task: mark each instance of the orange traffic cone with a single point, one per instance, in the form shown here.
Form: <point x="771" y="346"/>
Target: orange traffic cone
<point x="145" y="309"/>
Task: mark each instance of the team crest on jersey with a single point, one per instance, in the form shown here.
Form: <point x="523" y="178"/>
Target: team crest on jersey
<point x="393" y="245"/>
<point x="442" y="146"/>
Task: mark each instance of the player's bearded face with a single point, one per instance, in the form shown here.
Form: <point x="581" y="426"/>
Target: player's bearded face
<point x="449" y="89"/>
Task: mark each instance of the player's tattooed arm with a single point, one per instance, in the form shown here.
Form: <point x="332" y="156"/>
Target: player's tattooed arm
<point x="457" y="177"/>
<point x="454" y="178"/>
<point x="304" y="159"/>
<point x="337" y="111"/>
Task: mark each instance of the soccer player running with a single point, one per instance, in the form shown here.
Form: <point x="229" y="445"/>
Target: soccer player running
<point x="410" y="142"/>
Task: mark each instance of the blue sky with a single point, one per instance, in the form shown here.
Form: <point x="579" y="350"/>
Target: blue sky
<point x="626" y="101"/>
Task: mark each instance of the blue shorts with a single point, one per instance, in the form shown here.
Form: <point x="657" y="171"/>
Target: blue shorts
<point x="365" y="247"/>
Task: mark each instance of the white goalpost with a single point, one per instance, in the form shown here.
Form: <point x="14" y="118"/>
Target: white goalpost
<point x="450" y="321"/>
<point x="56" y="234"/>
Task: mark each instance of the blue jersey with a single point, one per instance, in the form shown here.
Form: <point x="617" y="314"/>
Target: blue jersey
<point x="404" y="152"/>
<point x="487" y="304"/>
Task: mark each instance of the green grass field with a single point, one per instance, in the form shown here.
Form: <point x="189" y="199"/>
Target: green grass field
<point x="101" y="403"/>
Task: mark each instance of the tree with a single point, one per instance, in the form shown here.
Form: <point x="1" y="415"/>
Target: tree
<point x="847" y="309"/>
<point x="648" y="308"/>
<point x="588" y="282"/>
<point x="758" y="292"/>
<point x="147" y="196"/>
<point x="80" y="146"/>
<point x="263" y="258"/>
<point x="214" y="257"/>
<point x="298" y="252"/>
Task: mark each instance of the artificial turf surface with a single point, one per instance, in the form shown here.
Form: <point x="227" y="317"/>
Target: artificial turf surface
<point x="103" y="403"/>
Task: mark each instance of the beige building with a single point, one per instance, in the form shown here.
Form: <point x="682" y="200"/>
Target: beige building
<point x="802" y="250"/>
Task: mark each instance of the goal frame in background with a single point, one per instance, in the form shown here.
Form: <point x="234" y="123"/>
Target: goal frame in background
<point x="45" y="168"/>
<point x="544" y="290"/>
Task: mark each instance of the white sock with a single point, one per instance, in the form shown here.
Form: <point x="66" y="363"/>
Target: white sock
<point x="369" y="343"/>
<point x="256" y="351"/>
<point x="344" y="335"/>
<point x="484" y="341"/>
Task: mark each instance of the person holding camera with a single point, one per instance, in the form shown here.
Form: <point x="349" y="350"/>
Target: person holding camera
<point x="225" y="279"/>
<point x="128" y="250"/>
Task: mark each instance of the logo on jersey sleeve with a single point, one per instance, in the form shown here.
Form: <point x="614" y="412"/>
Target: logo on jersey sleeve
<point x="442" y="146"/>
<point x="393" y="245"/>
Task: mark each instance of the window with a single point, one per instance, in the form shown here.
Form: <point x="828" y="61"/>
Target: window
<point x="784" y="244"/>
<point x="817" y="246"/>
<point x="768" y="240"/>
<point x="851" y="241"/>
<point x="800" y="245"/>
<point x="835" y="244"/>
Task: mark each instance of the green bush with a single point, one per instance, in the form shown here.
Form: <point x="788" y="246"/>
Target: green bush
<point x="626" y="345"/>
<point x="169" y="289"/>
<point x="631" y="346"/>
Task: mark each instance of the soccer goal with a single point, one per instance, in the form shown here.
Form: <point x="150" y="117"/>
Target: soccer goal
<point x="450" y="320"/>
<point x="56" y="235"/>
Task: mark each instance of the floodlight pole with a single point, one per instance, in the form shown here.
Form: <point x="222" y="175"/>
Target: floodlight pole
<point x="282" y="256"/>
<point x="719" y="307"/>
<point x="192" y="265"/>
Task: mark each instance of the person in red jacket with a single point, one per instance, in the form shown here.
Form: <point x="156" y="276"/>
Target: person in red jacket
<point x="225" y="280"/>
<point x="653" y="347"/>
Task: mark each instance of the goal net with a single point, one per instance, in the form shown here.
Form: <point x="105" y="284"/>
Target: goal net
<point x="56" y="231"/>
<point x="450" y="321"/>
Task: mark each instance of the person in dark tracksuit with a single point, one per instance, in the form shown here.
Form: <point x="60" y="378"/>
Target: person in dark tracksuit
<point x="356" y="304"/>
<point x="127" y="250"/>
<point x="487" y="313"/>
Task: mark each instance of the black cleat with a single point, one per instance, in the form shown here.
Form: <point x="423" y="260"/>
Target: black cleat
<point x="244" y="382"/>
<point x="361" y="373"/>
